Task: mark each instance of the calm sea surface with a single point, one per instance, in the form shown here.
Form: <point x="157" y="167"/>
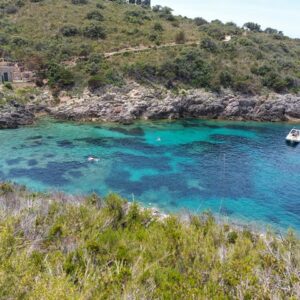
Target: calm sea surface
<point x="244" y="171"/>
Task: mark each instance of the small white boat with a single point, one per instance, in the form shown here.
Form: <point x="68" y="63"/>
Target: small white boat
<point x="293" y="136"/>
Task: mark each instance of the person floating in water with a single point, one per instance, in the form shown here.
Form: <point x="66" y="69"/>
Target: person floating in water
<point x="92" y="158"/>
<point x="158" y="139"/>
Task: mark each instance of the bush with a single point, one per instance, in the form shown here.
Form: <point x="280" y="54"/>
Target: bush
<point x="209" y="44"/>
<point x="95" y="15"/>
<point x="245" y="85"/>
<point x="216" y="32"/>
<point x="136" y="17"/>
<point x="200" y="21"/>
<point x="262" y="70"/>
<point x="226" y="79"/>
<point x="79" y="2"/>
<point x="158" y="27"/>
<point x="275" y="81"/>
<point x="153" y="37"/>
<point x="114" y="206"/>
<point x="59" y="77"/>
<point x="95" y="82"/>
<point x="100" y="6"/>
<point x="19" y="41"/>
<point x="11" y="9"/>
<point x="252" y="26"/>
<point x="232" y="237"/>
<point x="166" y="13"/>
<point x="94" y="31"/>
<point x="20" y="3"/>
<point x="6" y="188"/>
<point x="8" y="86"/>
<point x="180" y="38"/>
<point x="191" y="69"/>
<point x="69" y="30"/>
<point x="4" y="39"/>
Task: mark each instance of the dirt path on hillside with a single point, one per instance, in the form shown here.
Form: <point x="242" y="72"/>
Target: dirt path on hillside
<point x="147" y="48"/>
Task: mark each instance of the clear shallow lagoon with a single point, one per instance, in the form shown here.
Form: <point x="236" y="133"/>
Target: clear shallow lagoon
<point x="242" y="170"/>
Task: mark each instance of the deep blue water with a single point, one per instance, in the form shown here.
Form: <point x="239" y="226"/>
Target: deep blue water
<point x="241" y="170"/>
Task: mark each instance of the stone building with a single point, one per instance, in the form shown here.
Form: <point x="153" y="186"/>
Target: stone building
<point x="14" y="72"/>
<point x="6" y="71"/>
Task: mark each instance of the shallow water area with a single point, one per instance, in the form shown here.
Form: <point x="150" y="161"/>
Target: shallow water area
<point x="243" y="170"/>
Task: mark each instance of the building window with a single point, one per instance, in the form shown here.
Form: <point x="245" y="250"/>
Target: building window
<point x="5" y="76"/>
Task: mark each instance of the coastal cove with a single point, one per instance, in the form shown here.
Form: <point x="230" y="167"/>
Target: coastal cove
<point x="241" y="170"/>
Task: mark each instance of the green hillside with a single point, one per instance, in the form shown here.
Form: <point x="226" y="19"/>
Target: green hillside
<point x="70" y="43"/>
<point x="60" y="247"/>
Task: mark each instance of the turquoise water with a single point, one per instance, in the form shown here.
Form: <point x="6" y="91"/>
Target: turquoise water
<point x="241" y="170"/>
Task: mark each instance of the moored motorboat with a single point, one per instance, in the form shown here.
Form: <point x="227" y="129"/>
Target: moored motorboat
<point x="293" y="136"/>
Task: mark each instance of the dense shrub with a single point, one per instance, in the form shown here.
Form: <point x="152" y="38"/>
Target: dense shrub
<point x="96" y="82"/>
<point x="262" y="70"/>
<point x="79" y="2"/>
<point x="180" y="37"/>
<point x="8" y="86"/>
<point x="95" y="15"/>
<point x="136" y="17"/>
<point x="20" y="3"/>
<point x="192" y="69"/>
<point x="245" y="84"/>
<point x="4" y="39"/>
<point x="69" y="30"/>
<point x="209" y="44"/>
<point x="59" y="77"/>
<point x="158" y="27"/>
<point x="153" y="37"/>
<point x="94" y="31"/>
<point x="232" y="237"/>
<point x="214" y="32"/>
<point x="19" y="41"/>
<point x="226" y="79"/>
<point x="252" y="26"/>
<point x="164" y="12"/>
<point x="275" y="81"/>
<point x="100" y="6"/>
<point x="200" y="21"/>
<point x="11" y="9"/>
<point x="94" y="63"/>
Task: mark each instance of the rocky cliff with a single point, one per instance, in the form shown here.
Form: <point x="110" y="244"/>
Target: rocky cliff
<point x="133" y="102"/>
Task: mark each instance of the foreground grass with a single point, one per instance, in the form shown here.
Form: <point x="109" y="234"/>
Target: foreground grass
<point x="63" y="247"/>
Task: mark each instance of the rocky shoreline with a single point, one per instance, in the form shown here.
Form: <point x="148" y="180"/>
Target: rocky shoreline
<point x="13" y="114"/>
<point x="133" y="101"/>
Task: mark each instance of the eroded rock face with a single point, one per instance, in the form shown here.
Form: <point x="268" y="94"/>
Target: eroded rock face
<point x="13" y="114"/>
<point x="133" y="102"/>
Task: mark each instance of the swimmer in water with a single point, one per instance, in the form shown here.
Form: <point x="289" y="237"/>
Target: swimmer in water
<point x="91" y="158"/>
<point x="158" y="139"/>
